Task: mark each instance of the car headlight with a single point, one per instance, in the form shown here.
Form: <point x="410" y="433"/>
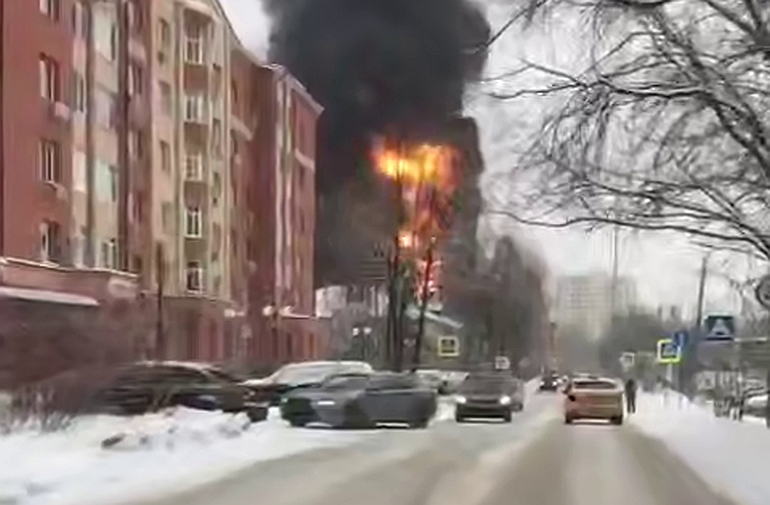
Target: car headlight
<point x="461" y="399"/>
<point x="505" y="400"/>
<point x="284" y="400"/>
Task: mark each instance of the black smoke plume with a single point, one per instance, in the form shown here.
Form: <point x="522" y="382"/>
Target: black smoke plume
<point x="390" y="67"/>
<point x="377" y="65"/>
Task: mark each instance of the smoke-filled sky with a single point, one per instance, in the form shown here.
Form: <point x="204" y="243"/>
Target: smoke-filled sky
<point x="380" y="63"/>
<point x="665" y="267"/>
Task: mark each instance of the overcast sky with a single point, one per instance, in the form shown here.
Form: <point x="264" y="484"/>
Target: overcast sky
<point x="664" y="266"/>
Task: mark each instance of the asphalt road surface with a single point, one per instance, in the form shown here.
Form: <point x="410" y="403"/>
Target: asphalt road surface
<point x="536" y="460"/>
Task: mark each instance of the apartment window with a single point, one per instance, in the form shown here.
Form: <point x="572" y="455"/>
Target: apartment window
<point x="165" y="97"/>
<point x="234" y="95"/>
<point x="50" y="8"/>
<point x="49" y="161"/>
<point x="79" y="171"/>
<point x="49" y="78"/>
<point x="194" y="166"/>
<point x="194" y="108"/>
<point x="134" y="13"/>
<point x="79" y="20"/>
<point x="136" y="144"/>
<point x="217" y="188"/>
<point x="79" y="100"/>
<point x="78" y="247"/>
<point x="106" y="182"/>
<point x="135" y="79"/>
<point x="109" y="254"/>
<point x="49" y="241"/>
<point x="138" y="206"/>
<point x="194" y="277"/>
<point x="165" y="156"/>
<point x="216" y="137"/>
<point x="105" y="32"/>
<point x="193" y="53"/>
<point x="105" y="109"/>
<point x="194" y="223"/>
<point x="167" y="217"/>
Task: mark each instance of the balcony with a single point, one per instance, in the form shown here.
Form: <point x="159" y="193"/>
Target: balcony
<point x="59" y="112"/>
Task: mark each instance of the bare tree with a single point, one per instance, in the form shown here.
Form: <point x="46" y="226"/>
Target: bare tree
<point x="666" y="128"/>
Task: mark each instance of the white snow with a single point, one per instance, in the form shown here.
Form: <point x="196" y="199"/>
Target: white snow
<point x="153" y="455"/>
<point x="160" y="453"/>
<point x="731" y="456"/>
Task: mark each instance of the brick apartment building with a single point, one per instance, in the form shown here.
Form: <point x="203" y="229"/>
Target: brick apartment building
<point x="142" y="147"/>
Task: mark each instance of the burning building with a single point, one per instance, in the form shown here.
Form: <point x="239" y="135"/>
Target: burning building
<point x="391" y="75"/>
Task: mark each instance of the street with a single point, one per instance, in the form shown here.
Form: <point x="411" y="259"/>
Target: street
<point x="535" y="460"/>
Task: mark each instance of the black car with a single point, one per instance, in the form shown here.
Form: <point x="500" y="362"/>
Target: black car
<point x="363" y="400"/>
<point x="310" y="374"/>
<point x="549" y="383"/>
<point x="151" y="385"/>
<point x="485" y="395"/>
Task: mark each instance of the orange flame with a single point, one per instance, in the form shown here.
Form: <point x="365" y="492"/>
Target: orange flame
<point x="421" y="164"/>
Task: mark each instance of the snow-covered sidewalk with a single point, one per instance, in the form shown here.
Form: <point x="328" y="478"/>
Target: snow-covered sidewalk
<point x="159" y="453"/>
<point x="733" y="457"/>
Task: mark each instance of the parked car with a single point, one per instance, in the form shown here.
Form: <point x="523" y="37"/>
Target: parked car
<point x="434" y="379"/>
<point x="309" y="374"/>
<point x="363" y="400"/>
<point x="489" y="394"/>
<point x="151" y="385"/>
<point x="593" y="398"/>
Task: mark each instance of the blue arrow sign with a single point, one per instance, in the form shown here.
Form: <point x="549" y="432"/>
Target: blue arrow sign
<point x="680" y="338"/>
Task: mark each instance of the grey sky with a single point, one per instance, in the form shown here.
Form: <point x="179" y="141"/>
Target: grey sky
<point x="664" y="266"/>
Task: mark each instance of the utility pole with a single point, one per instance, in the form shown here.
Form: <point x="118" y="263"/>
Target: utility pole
<point x="160" y="341"/>
<point x="424" y="305"/>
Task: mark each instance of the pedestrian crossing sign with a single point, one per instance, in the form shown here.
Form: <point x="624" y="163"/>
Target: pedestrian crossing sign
<point x="668" y="352"/>
<point x="720" y="328"/>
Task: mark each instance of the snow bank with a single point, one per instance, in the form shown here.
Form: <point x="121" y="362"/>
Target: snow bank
<point x="145" y="456"/>
<point x="731" y="456"/>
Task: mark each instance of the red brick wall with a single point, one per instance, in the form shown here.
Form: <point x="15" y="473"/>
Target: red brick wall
<point x="26" y="201"/>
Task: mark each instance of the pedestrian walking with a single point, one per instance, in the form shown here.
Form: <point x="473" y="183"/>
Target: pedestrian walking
<point x="631" y="396"/>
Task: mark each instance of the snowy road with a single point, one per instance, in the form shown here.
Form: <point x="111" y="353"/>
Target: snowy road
<point x="536" y="460"/>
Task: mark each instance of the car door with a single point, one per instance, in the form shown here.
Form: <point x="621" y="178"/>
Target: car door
<point x="381" y="400"/>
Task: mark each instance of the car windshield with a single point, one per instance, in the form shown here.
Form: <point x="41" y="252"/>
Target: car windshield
<point x="487" y="384"/>
<point x="343" y="383"/>
<point x="594" y="384"/>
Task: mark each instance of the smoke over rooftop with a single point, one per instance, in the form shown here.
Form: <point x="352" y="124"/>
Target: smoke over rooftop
<point x="397" y="68"/>
<point x="376" y="64"/>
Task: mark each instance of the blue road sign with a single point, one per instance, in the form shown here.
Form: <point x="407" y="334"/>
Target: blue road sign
<point x="720" y="328"/>
<point x="680" y="338"/>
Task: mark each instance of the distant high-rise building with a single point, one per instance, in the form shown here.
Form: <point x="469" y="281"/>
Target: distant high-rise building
<point x="587" y="302"/>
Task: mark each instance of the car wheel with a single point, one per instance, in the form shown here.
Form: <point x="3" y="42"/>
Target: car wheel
<point x="567" y="420"/>
<point x="507" y="417"/>
<point x="419" y="424"/>
<point x="297" y="423"/>
<point x="617" y="420"/>
<point x="257" y="414"/>
<point x="459" y="418"/>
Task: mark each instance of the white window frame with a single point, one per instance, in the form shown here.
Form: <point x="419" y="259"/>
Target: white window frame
<point x="80" y="97"/>
<point x="48" y="241"/>
<point x="49" y="159"/>
<point x="193" y="47"/>
<point x="50" y="8"/>
<point x="193" y="223"/>
<point x="49" y="78"/>
<point x="135" y="79"/>
<point x="194" y="277"/>
<point x="195" y="108"/>
<point x="109" y="254"/>
<point x="193" y="166"/>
